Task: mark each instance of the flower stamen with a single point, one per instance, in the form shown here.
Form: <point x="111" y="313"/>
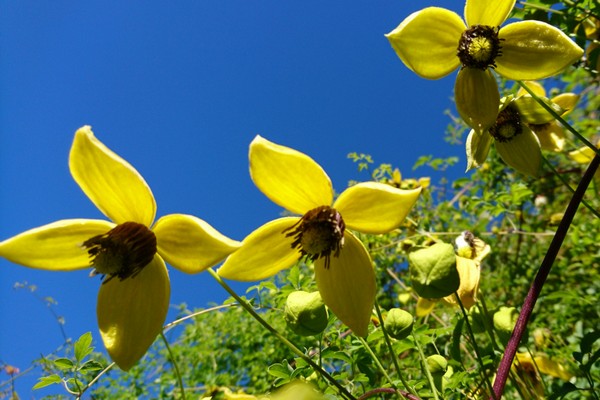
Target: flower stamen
<point x="319" y="233"/>
<point x="507" y="126"/>
<point x="479" y="46"/>
<point x="123" y="251"/>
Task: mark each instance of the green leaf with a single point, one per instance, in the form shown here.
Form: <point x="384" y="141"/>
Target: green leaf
<point x="90" y="366"/>
<point x="63" y="363"/>
<point x="46" y="381"/>
<point x="279" y="371"/>
<point x="82" y="346"/>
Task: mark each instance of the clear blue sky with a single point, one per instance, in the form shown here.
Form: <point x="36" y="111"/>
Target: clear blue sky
<point x="179" y="89"/>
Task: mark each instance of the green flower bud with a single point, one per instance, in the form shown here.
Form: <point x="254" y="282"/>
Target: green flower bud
<point x="437" y="365"/>
<point x="399" y="323"/>
<point x="477" y="320"/>
<point x="305" y="313"/>
<point x="504" y="322"/>
<point x="433" y="271"/>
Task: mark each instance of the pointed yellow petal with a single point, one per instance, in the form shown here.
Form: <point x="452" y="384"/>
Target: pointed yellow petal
<point x="348" y="285"/>
<point x="132" y="312"/>
<point x="566" y="101"/>
<point x="190" y="244"/>
<point x="477" y="97"/>
<point x="56" y="246"/>
<point x="583" y="155"/>
<point x="535" y="87"/>
<point x="534" y="50"/>
<point x="112" y="184"/>
<point x="264" y="252"/>
<point x="289" y="178"/>
<point x="373" y="207"/>
<point x="427" y="40"/>
<point x="470" y="274"/>
<point x="477" y="147"/>
<point x="424" y="306"/>
<point x="522" y="152"/>
<point x="488" y="12"/>
<point x="550" y="135"/>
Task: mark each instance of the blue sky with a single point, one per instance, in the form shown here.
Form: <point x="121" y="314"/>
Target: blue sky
<point x="179" y="89"/>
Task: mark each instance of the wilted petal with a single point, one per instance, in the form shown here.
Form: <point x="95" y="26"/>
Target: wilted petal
<point x="427" y="40"/>
<point x="477" y="97"/>
<point x="288" y="177"/>
<point x="373" y="207"/>
<point x="264" y="252"/>
<point x="534" y="50"/>
<point x="56" y="246"/>
<point x="522" y="152"/>
<point x="477" y="147"/>
<point x="190" y="244"/>
<point x="487" y="12"/>
<point x="131" y="312"/>
<point x="112" y="184"/>
<point x="348" y="285"/>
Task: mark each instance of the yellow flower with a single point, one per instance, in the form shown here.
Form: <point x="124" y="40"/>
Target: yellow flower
<point x="516" y="144"/>
<point x="551" y="134"/>
<point x="434" y="42"/>
<point x="343" y="267"/>
<point x="129" y="251"/>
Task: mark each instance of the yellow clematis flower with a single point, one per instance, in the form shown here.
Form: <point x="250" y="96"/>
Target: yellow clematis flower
<point x="551" y="134"/>
<point x="515" y="142"/>
<point x="129" y="251"/>
<point x="343" y="267"/>
<point x="434" y="42"/>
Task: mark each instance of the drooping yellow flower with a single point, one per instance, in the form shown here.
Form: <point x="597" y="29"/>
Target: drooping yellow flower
<point x="128" y="250"/>
<point x="434" y="42"/>
<point x="551" y="134"/>
<point x="516" y="144"/>
<point x="343" y="267"/>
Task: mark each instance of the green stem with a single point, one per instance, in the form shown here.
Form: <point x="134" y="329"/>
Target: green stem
<point x="475" y="346"/>
<point x="559" y="118"/>
<point x="426" y="368"/>
<point x="279" y="336"/>
<point x="377" y="362"/>
<point x="388" y="342"/>
<point x="564" y="181"/>
<point x="96" y="378"/>
<point x="179" y="380"/>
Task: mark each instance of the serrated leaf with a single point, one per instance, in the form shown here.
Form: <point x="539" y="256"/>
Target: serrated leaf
<point x="279" y="371"/>
<point x="46" y="381"/>
<point x="82" y="346"/>
<point x="63" y="363"/>
<point x="90" y="366"/>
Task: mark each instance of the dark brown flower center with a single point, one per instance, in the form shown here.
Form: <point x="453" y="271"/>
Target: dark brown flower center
<point x="122" y="252"/>
<point x="319" y="233"/>
<point x="507" y="126"/>
<point x="479" y="46"/>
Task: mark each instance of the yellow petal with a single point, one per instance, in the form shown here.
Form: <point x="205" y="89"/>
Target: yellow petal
<point x="289" y="178"/>
<point x="348" y="285"/>
<point x="535" y="87"/>
<point x="190" y="244"/>
<point x="477" y="97"/>
<point x="583" y="155"/>
<point x="522" y="152"/>
<point x="112" y="184"/>
<point x="264" y="252"/>
<point x="56" y="246"/>
<point x="373" y="207"/>
<point x="487" y="12"/>
<point x="424" y="306"/>
<point x="566" y="101"/>
<point x="534" y="50"/>
<point x="477" y="147"/>
<point x="550" y="135"/>
<point x="131" y="312"/>
<point x="470" y="274"/>
<point x="427" y="40"/>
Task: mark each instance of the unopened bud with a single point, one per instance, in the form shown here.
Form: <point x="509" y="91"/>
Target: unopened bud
<point x="399" y="323"/>
<point x="305" y="313"/>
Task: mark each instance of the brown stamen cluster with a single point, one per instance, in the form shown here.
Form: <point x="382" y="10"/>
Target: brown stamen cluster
<point x="319" y="233"/>
<point x="122" y="252"/>
<point x="507" y="126"/>
<point x="479" y="46"/>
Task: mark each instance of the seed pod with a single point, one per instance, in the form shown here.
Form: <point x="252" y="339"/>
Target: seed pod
<point x="305" y="313"/>
<point x="399" y="323"/>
